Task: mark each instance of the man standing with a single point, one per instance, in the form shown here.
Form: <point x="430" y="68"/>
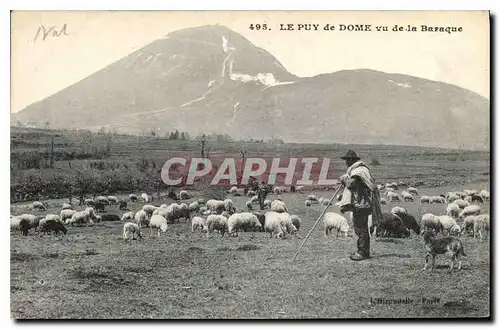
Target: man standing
<point x="262" y="193"/>
<point x="361" y="196"/>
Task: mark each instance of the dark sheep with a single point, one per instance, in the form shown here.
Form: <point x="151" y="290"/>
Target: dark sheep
<point x="100" y="207"/>
<point x="53" y="226"/>
<point x="392" y="225"/>
<point x="476" y="198"/>
<point x="123" y="205"/>
<point x="110" y="218"/>
<point x="173" y="196"/>
<point x="410" y="222"/>
<point x="262" y="218"/>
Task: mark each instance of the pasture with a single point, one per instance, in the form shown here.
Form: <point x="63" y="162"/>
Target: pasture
<point x="92" y="273"/>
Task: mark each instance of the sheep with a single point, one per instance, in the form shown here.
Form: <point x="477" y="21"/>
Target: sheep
<point x="425" y="199"/>
<point x="407" y="196"/>
<point x="101" y="199"/>
<point x="461" y="203"/>
<point x="393" y="196"/>
<point x="249" y="205"/>
<point x="89" y="202"/>
<point x="413" y="190"/>
<point x="216" y="205"/>
<point x="53" y="217"/>
<point x="276" y="190"/>
<point x="163" y="205"/>
<point x="158" y="222"/>
<point x="300" y="189"/>
<point x="51" y="225"/>
<point x="455" y="230"/>
<point x="307" y="203"/>
<point x="80" y="217"/>
<point x="133" y="198"/>
<point x="391" y="224"/>
<point x="468" y="224"/>
<point x="312" y="198"/>
<point x="332" y="220"/>
<point x="24" y="223"/>
<point x="100" y="207"/>
<point x="131" y="229"/>
<point x="437" y="199"/>
<point x="66" y="214"/>
<point x="388" y="189"/>
<point x="229" y="206"/>
<point x="141" y="218"/>
<point x="397" y="210"/>
<point x="431" y="221"/>
<point x="254" y="199"/>
<point x="274" y="225"/>
<point x="267" y="203"/>
<point x="198" y="222"/>
<point x="184" y="195"/>
<point x="470" y="210"/>
<point x="447" y="223"/>
<point x="476" y="198"/>
<point x="37" y="205"/>
<point x="149" y="209"/>
<point x="167" y="213"/>
<point x="482" y="223"/>
<point x="182" y="211"/>
<point x="244" y="221"/>
<point x="145" y="197"/>
<point x="383" y="201"/>
<point x="408" y="221"/>
<point x="451" y="196"/>
<point x="485" y="195"/>
<point x="470" y="192"/>
<point x="287" y="224"/>
<point x="278" y="206"/>
<point x="251" y="193"/>
<point x="123" y="205"/>
<point x="460" y="194"/>
<point x="127" y="216"/>
<point x="233" y="190"/>
<point x="66" y="206"/>
<point x="325" y="202"/>
<point x="194" y="207"/>
<point x="217" y="223"/>
<point x="453" y="210"/>
<point x="296" y="221"/>
<point x="112" y="199"/>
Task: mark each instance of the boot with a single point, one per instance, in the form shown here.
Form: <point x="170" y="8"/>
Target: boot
<point x="356" y="256"/>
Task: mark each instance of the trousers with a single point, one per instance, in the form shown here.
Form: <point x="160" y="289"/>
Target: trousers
<point x="360" y="223"/>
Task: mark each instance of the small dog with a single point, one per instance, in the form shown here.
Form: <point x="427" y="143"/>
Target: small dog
<point x="435" y="246"/>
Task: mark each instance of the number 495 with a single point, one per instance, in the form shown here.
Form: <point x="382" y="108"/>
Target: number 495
<point x="258" y="27"/>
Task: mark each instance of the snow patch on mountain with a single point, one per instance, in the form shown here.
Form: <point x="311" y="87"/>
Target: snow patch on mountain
<point x="404" y="85"/>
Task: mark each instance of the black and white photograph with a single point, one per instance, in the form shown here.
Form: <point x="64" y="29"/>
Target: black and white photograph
<point x="250" y="165"/>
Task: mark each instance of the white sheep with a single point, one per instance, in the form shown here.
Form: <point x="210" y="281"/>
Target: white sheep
<point x="233" y="190"/>
<point x="37" y="205"/>
<point x="461" y="203"/>
<point x="278" y="206"/>
<point x="451" y="196"/>
<point x="267" y="203"/>
<point x="468" y="224"/>
<point x="24" y="223"/>
<point x="216" y="205"/>
<point x="407" y="196"/>
<point x="482" y="223"/>
<point x="201" y="201"/>
<point x="184" y="195"/>
<point x="194" y="207"/>
<point x="300" y="189"/>
<point x="158" y="222"/>
<point x="453" y="210"/>
<point x="145" y="197"/>
<point x="307" y="203"/>
<point x="127" y="216"/>
<point x="112" y="199"/>
<point x="149" y="209"/>
<point x="312" y="198"/>
<point x="431" y="221"/>
<point x="254" y="199"/>
<point x="251" y="193"/>
<point x="217" y="223"/>
<point x="425" y="199"/>
<point x="53" y="217"/>
<point x="389" y="189"/>
<point x="133" y="198"/>
<point x="470" y="192"/>
<point x="276" y="190"/>
<point x="296" y="221"/>
<point x="141" y="218"/>
<point x="66" y="206"/>
<point x="101" y="199"/>
<point x="229" y="206"/>
<point x="66" y="214"/>
<point x="249" y="205"/>
<point x="287" y="224"/>
<point x="447" y="223"/>
<point x="199" y="222"/>
<point x="131" y="229"/>
<point x="242" y="221"/>
<point x="82" y="217"/>
<point x="166" y="213"/>
<point x="399" y="210"/>
<point x="485" y="195"/>
<point x="470" y="210"/>
<point x="437" y="199"/>
<point x="393" y="196"/>
<point x="332" y="220"/>
<point x="413" y="190"/>
<point x="274" y="225"/>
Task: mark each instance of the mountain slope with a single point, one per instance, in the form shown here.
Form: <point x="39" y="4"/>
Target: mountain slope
<point x="211" y="79"/>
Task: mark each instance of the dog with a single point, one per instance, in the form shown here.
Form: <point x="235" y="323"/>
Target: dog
<point x="434" y="247"/>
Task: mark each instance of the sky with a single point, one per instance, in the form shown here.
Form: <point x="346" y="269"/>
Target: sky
<point x="95" y="39"/>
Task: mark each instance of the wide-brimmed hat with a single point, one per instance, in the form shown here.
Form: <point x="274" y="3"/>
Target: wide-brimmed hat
<point x="350" y="155"/>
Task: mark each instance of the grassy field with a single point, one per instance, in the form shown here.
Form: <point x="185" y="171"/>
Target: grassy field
<point x="92" y="273"/>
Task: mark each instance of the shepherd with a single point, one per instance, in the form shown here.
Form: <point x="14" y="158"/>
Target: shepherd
<point x="361" y="196"/>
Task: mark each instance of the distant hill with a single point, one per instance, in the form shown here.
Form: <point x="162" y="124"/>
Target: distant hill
<point x="211" y="79"/>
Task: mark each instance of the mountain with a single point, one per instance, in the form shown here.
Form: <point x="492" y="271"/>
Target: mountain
<point x="211" y="79"/>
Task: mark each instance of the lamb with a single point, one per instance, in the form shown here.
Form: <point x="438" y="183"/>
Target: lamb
<point x="184" y="195"/>
<point x="447" y="223"/>
<point x="24" y="223"/>
<point x="229" y="206"/>
<point x="123" y="205"/>
<point x="244" y="221"/>
<point x="453" y="210"/>
<point x="66" y="214"/>
<point x="51" y="225"/>
<point x="296" y="221"/>
<point x="66" y="206"/>
<point x="145" y="197"/>
<point x="251" y="193"/>
<point x="194" y="207"/>
<point x="80" y="217"/>
<point x="407" y="196"/>
<point x="461" y="203"/>
<point x="141" y="218"/>
<point x="267" y="203"/>
<point x="425" y="199"/>
<point x="468" y="224"/>
<point x="470" y="210"/>
<point x="158" y="222"/>
<point x="199" y="222"/>
<point x="249" y="205"/>
<point x="332" y="220"/>
<point x="131" y="229"/>
<point x="149" y="209"/>
<point x="37" y="205"/>
<point x="216" y="205"/>
<point x="437" y="199"/>
<point x="127" y="216"/>
<point x="431" y="221"/>
<point x="278" y="206"/>
<point x="112" y="199"/>
<point x="485" y="195"/>
<point x="392" y="224"/>
<point x="413" y="190"/>
<point x="133" y="198"/>
<point x="393" y="196"/>
<point x="101" y="199"/>
<point x="307" y="203"/>
<point x="217" y="223"/>
<point x="312" y="198"/>
<point x="482" y="223"/>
